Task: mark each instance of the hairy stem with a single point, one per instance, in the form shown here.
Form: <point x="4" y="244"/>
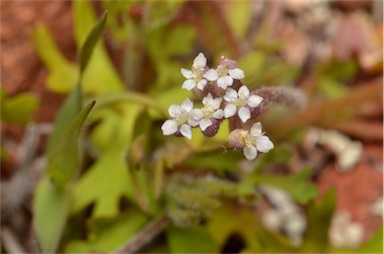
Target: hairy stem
<point x="146" y="235"/>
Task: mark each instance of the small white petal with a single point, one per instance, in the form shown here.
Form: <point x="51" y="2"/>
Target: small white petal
<point x="216" y="103"/>
<point x="230" y="95"/>
<point x="208" y="100"/>
<point x="186" y="131"/>
<point x="225" y="81"/>
<point x="189" y="84"/>
<point x="250" y="152"/>
<point x="243" y="92"/>
<point x="236" y="73"/>
<point x="230" y="110"/>
<point x="201" y="84"/>
<point x="256" y="129"/>
<point x="264" y="144"/>
<point x="219" y="114"/>
<point x="254" y="101"/>
<point x="169" y="127"/>
<point x="187" y="105"/>
<point x="244" y="114"/>
<point x="196" y="113"/>
<point x="200" y="61"/>
<point x="211" y="75"/>
<point x="205" y="123"/>
<point x="174" y="110"/>
<point x="187" y="73"/>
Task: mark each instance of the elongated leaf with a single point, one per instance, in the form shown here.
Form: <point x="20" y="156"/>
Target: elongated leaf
<point x="68" y="111"/>
<point x="50" y="209"/>
<point x="92" y="38"/>
<point x="63" y="159"/>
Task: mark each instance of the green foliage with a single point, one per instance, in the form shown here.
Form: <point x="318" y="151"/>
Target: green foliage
<point x="296" y="185"/>
<point x="131" y="173"/>
<point x="190" y="240"/>
<point x="63" y="158"/>
<point x="18" y="109"/>
<point x="108" y="234"/>
<point x="50" y="209"/>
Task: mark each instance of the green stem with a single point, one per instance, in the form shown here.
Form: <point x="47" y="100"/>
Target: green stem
<point x="146" y="235"/>
<point x="131" y="97"/>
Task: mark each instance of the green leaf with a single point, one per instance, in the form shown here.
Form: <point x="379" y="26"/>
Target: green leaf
<point x="62" y="74"/>
<point x="18" y="109"/>
<point x="253" y="65"/>
<point x="190" y="240"/>
<point x="50" y="210"/>
<point x="373" y="245"/>
<point x="296" y="185"/>
<point x="315" y="238"/>
<point x="108" y="234"/>
<point x="63" y="158"/>
<point x="239" y="14"/>
<point x="230" y="219"/>
<point x="110" y="171"/>
<point x="100" y="76"/>
<point x="67" y="112"/>
<point x="92" y="38"/>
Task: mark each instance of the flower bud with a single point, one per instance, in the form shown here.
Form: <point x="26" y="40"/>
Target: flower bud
<point x="236" y="139"/>
<point x="213" y="129"/>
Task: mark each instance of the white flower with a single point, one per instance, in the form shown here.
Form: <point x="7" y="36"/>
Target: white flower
<point x="255" y="141"/>
<point x="211" y="110"/>
<point x="240" y="101"/>
<point x="182" y="119"/>
<point x="195" y="76"/>
<point x="224" y="75"/>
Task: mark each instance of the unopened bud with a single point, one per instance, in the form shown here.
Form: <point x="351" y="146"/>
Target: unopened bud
<point x="236" y="139"/>
<point x="213" y="129"/>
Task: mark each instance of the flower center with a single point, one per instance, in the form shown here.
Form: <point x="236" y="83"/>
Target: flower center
<point x="197" y="73"/>
<point x="182" y="118"/>
<point x="248" y="139"/>
<point x="208" y="111"/>
<point x="240" y="102"/>
<point x="222" y="70"/>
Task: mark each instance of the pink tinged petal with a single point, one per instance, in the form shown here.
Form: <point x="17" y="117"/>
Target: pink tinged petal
<point x="169" y="127"/>
<point x="174" y="110"/>
<point x="200" y="61"/>
<point x="211" y="75"/>
<point x="256" y="129"/>
<point x="205" y="123"/>
<point x="189" y="84"/>
<point x="187" y="73"/>
<point x="244" y="114"/>
<point x="187" y="105"/>
<point x="264" y="144"/>
<point x="236" y="73"/>
<point x="201" y="84"/>
<point x="216" y="103"/>
<point x="243" y="92"/>
<point x="250" y="152"/>
<point x="225" y="81"/>
<point x="254" y="101"/>
<point x="219" y="114"/>
<point x="230" y="95"/>
<point x="186" y="131"/>
<point x="230" y="110"/>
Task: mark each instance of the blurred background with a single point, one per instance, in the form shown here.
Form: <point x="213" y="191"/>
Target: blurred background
<point x="332" y="51"/>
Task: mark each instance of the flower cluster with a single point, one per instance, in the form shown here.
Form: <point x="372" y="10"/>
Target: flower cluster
<point x="223" y="96"/>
